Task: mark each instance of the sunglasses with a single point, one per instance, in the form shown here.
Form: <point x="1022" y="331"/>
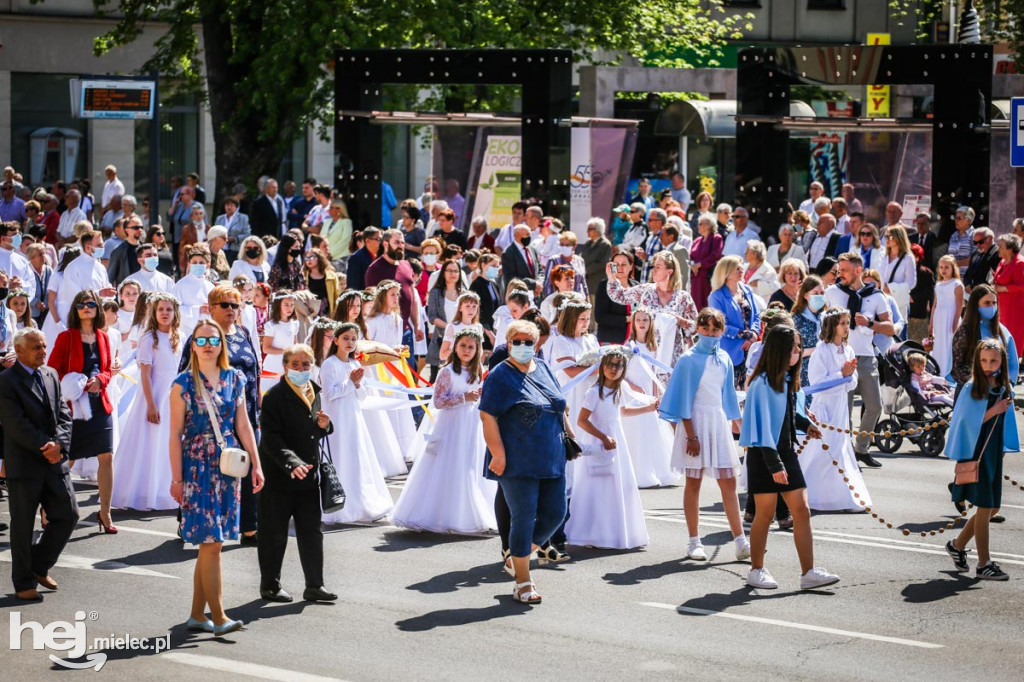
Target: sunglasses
<point x="203" y="340"/>
<point x="615" y="365"/>
<point x="134" y="227"/>
<point x="979" y="243"/>
<point x="522" y="342"/>
<point x="226" y="304"/>
<point x="311" y="258"/>
<point x="866" y="234"/>
<point x="86" y="304"/>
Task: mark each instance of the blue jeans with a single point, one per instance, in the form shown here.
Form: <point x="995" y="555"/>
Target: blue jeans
<point x="537" y="506"/>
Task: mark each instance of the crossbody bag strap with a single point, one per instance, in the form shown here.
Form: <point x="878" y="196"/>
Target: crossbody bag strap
<point x="214" y="417"/>
<point x="892" y="273"/>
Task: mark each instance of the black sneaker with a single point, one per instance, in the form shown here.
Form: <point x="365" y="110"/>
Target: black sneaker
<point x="991" y="571"/>
<point x="959" y="557"/>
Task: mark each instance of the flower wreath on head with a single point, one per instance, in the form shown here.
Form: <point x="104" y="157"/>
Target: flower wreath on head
<point x="281" y="296"/>
<point x="345" y="295"/>
<point x="157" y="296"/>
<point x="129" y="281"/>
<point x="367" y="296"/>
<point x="326" y="323"/>
<point x="385" y="286"/>
<point x="573" y="303"/>
<point x="343" y="327"/>
<point x="468" y="331"/>
<point x="829" y="313"/>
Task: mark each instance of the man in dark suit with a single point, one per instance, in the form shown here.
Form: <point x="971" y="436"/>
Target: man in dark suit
<point x="268" y="215"/>
<point x="926" y="239"/>
<point x="360" y="261"/>
<point x="520" y="260"/>
<point x="984" y="260"/>
<point x="292" y="424"/>
<point x="124" y="262"/>
<point x="36" y="446"/>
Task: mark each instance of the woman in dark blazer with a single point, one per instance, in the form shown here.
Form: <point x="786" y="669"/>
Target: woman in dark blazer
<point x="292" y="426"/>
<point x="84" y="348"/>
<point x="611" y="317"/>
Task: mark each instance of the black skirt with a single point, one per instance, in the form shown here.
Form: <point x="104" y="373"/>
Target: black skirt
<point x="93" y="436"/>
<point x="759" y="478"/>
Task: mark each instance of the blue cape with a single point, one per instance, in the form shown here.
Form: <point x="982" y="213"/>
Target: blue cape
<point x="763" y="413"/>
<point x="965" y="427"/>
<point x="677" y="403"/>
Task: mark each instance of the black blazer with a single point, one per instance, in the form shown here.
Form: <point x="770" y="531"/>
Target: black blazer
<point x="262" y="218"/>
<point x="358" y="263"/>
<point x="982" y="265"/>
<point x="928" y="243"/>
<point x="483" y="287"/>
<point x="123" y="263"/>
<point x="609" y="315"/>
<point x="290" y="437"/>
<point x="513" y="264"/>
<point x="32" y="421"/>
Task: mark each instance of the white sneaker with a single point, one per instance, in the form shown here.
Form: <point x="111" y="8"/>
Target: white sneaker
<point x="761" y="579"/>
<point x="697" y="553"/>
<point x="817" y="577"/>
<point x="743" y="550"/>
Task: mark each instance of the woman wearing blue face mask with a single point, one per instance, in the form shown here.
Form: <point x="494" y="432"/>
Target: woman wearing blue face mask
<point x="981" y="321"/>
<point x="807" y="319"/>
<point x="524" y="417"/>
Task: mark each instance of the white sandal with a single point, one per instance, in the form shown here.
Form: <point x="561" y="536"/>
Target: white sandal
<point x="527" y="596"/>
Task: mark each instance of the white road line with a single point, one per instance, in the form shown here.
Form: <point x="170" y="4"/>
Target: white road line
<point x="826" y="536"/>
<point x="130" y="529"/>
<point x="796" y="626"/>
<point x="264" y="672"/>
<point x="1012" y="506"/>
<point x="88" y="564"/>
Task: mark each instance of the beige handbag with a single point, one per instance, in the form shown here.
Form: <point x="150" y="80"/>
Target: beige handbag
<point x="234" y="462"/>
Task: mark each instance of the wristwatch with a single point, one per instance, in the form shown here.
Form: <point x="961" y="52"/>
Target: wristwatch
<point x="871" y="324"/>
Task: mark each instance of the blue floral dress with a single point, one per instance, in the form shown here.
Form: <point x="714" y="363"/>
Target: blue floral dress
<point x="209" y="512"/>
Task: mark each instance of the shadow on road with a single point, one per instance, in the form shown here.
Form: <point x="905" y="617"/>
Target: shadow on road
<point x="505" y="608"/>
<point x="455" y="580"/>
<point x="399" y="541"/>
<point x="742" y="596"/>
<point x="939" y="589"/>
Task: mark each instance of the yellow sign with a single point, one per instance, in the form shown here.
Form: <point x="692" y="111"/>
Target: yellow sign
<point x="878" y="96"/>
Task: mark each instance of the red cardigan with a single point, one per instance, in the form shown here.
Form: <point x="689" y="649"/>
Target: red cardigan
<point x="67" y="357"/>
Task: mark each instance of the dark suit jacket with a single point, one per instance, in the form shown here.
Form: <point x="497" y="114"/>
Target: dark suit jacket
<point x="262" y="218"/>
<point x="123" y="263"/>
<point x="843" y="245"/>
<point x="290" y="437"/>
<point x="931" y="240"/>
<point x="982" y="265"/>
<point x="358" y="263"/>
<point x="483" y="287"/>
<point x="513" y="264"/>
<point x="32" y="421"/>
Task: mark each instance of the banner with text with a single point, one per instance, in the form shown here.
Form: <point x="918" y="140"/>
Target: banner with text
<point x="500" y="183"/>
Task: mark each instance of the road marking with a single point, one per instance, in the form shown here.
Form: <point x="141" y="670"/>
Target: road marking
<point x="244" y="668"/>
<point x="828" y="536"/>
<point x="85" y="563"/>
<point x="795" y="626"/>
<point x="130" y="529"/>
<point x="1012" y="506"/>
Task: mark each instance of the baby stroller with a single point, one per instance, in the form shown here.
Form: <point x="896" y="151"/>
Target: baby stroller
<point x="906" y="408"/>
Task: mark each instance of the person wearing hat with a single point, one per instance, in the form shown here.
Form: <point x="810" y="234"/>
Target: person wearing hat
<point x="621" y="223"/>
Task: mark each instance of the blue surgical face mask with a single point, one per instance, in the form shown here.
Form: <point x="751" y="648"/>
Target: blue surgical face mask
<point x="16" y="241"/>
<point x="299" y="378"/>
<point x="151" y="262"/>
<point x="988" y="313"/>
<point x="817" y="302"/>
<point x="430" y="259"/>
<point x="522" y="354"/>
<point x="492" y="272"/>
<point x="707" y="344"/>
<point x="197" y="270"/>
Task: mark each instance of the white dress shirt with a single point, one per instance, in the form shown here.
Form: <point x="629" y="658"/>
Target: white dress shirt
<point x="16" y="265"/>
<point x="85" y="272"/>
<point x="66" y="226"/>
<point x="113" y="188"/>
<point x="154" y="281"/>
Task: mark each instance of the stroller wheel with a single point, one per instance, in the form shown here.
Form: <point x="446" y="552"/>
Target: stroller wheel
<point x="933" y="442"/>
<point x="888" y="443"/>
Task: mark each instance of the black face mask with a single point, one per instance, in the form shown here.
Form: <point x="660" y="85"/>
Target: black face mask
<point x="296" y="253"/>
<point x="3" y="292"/>
<point x="253" y="252"/>
<point x="526" y="241"/>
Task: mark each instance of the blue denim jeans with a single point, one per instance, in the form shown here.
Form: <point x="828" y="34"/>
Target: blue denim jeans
<point x="537" y="506"/>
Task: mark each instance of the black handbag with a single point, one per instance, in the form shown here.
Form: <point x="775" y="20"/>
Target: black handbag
<point x="572" y="447"/>
<point x="332" y="495"/>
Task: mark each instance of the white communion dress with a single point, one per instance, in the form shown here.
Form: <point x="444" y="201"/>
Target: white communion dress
<point x="388" y="329"/>
<point x="648" y="437"/>
<point x="718" y="457"/>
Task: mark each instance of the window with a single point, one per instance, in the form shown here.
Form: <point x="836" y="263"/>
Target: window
<point x="826" y="4"/>
<point x="179" y="147"/>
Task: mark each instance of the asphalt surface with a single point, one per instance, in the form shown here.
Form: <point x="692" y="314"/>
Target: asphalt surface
<point x="418" y="606"/>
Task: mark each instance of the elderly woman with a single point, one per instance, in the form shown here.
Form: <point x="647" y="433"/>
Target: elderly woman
<point x="685" y="239"/>
<point x="898" y="268"/>
<point x="252" y="261"/>
<point x="1009" y="285"/>
<point x="217" y="238"/>
<point x="563" y="277"/>
<point x="707" y="249"/>
<point x="759" y="275"/>
<point x="524" y="419"/>
<point x="961" y="242"/>
<point x="674" y="311"/>
<point x="566" y="255"/>
<point x="786" y="248"/>
<point x="801" y="225"/>
<point x="742" y="311"/>
<point x="868" y="246"/>
<point x="791" y="275"/>
<point x="192" y="233"/>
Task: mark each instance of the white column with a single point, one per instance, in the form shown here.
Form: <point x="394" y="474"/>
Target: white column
<point x="111" y="142"/>
<point x="320" y="157"/>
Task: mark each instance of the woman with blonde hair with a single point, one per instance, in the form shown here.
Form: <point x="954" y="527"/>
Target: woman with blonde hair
<point x="868" y="246"/>
<point x="673" y="309"/>
<point x="742" y="311"/>
<point x="898" y="268"/>
<point x="791" y="276"/>
<point x="209" y="499"/>
<point x="945" y="319"/>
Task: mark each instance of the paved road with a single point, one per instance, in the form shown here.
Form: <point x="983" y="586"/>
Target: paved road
<point x="425" y="607"/>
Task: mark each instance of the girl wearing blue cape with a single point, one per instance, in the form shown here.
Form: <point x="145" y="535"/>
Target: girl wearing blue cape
<point x="702" y="395"/>
<point x="770" y="421"/>
<point x="981" y="431"/>
<point x="981" y="321"/>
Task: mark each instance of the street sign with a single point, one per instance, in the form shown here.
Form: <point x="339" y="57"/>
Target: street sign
<point x="878" y="96"/>
<point x="1017" y="132"/>
<point x="124" y="99"/>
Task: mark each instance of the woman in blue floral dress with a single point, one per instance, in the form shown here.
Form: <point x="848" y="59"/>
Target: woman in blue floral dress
<point x="209" y="500"/>
<point x="806" y="317"/>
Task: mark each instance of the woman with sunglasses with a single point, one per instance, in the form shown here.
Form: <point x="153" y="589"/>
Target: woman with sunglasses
<point x="81" y="356"/>
<point x="225" y="303"/>
<point x="869" y="246"/>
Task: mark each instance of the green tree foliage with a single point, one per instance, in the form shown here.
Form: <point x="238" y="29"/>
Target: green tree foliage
<point x="264" y="66"/>
<point x="1002" y="21"/>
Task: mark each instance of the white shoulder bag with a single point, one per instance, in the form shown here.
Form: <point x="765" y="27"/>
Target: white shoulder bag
<point x="234" y="462"/>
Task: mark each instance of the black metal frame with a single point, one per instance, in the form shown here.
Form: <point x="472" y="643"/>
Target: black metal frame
<point x="544" y="75"/>
<point x="960" y="74"/>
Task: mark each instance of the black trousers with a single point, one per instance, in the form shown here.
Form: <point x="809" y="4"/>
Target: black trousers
<point x="56" y="496"/>
<point x="277" y="508"/>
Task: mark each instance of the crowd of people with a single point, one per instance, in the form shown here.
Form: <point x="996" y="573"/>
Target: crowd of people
<point x="529" y="382"/>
